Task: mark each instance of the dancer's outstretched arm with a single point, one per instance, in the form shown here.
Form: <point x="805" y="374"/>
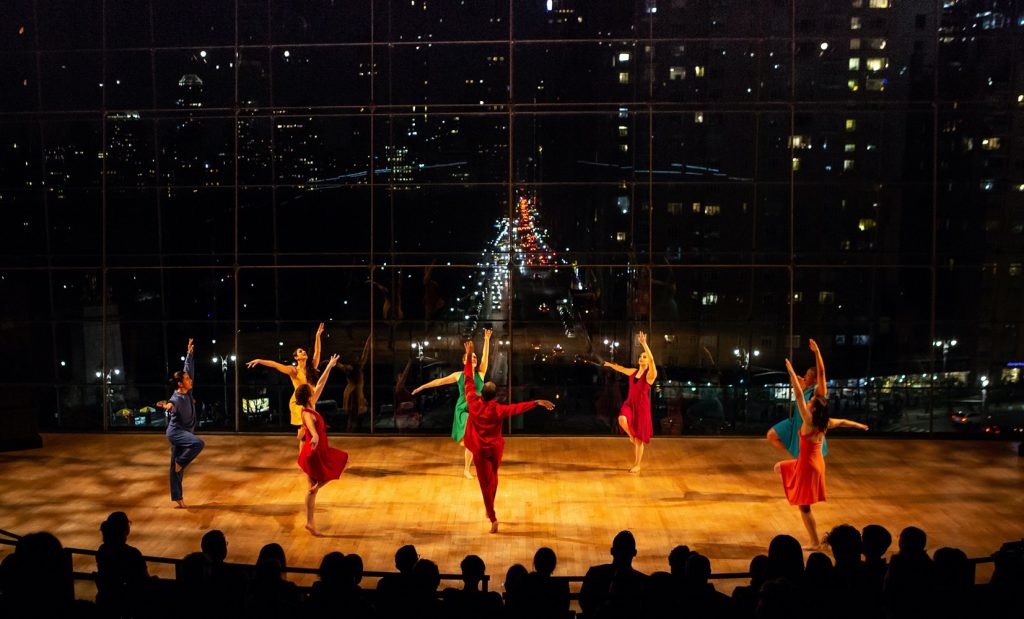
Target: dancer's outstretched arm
<point x="819" y="368"/>
<point x="451" y="379"/>
<point x="309" y="425"/>
<point x="652" y="370"/>
<point x="482" y="370"/>
<point x="620" y="369"/>
<point x="365" y="354"/>
<point x="845" y="423"/>
<point x="320" y="384"/>
<point x="316" y="347"/>
<point x="801" y="404"/>
<point x="284" y="369"/>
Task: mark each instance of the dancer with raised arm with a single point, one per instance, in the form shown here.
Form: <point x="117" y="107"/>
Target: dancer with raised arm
<point x="483" y="431"/>
<point x="785" y="435"/>
<point x="635" y="415"/>
<point x="803" y="479"/>
<point x="304" y="372"/>
<point x="318" y="460"/>
<point x="461" y="409"/>
<point x="181" y="426"/>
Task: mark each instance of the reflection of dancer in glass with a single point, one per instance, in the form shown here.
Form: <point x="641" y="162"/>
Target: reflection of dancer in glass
<point x="785" y="435"/>
<point x="304" y="372"/>
<point x="461" y="408"/>
<point x="635" y="415"/>
<point x="181" y="426"/>
<point x="353" y="401"/>
<point x="803" y="479"/>
<point x="318" y="460"/>
<point x="483" y="430"/>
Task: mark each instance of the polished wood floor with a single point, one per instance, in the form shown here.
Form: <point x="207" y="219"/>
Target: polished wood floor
<point x="717" y="495"/>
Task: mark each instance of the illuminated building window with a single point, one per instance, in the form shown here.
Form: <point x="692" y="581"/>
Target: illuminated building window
<point x="877" y="64"/>
<point x="696" y="207"/>
<point x="878" y="4"/>
<point x="861" y="340"/>
<point x="855" y="23"/>
<point x="623" y="77"/>
<point x="675" y="208"/>
<point x="841" y="339"/>
<point x="991" y="144"/>
<point x="854" y="64"/>
<point x="698" y="71"/>
<point x="698" y="117"/>
<point x="624" y="57"/>
<point x="853" y="85"/>
<point x="847" y="165"/>
<point x="624" y="148"/>
<point x="854" y="43"/>
<point x="677" y="73"/>
<point x="1020" y="187"/>
<point x="1014" y="269"/>
<point x="796" y="163"/>
<point x="851" y="124"/>
<point x="712" y="209"/>
<point x="826" y="297"/>
<point x="876" y="43"/>
<point x="799" y="141"/>
<point x="620" y="237"/>
<point x="798" y="297"/>
<point x="876" y="84"/>
<point x="623" y="203"/>
<point x="849" y="148"/>
<point x="987" y="185"/>
<point x="866" y="224"/>
<point x="623" y="131"/>
<point x="709" y="299"/>
<point x="857" y="3"/>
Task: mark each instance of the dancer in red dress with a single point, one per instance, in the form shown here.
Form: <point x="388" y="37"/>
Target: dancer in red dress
<point x="318" y="460"/>
<point x="635" y="416"/>
<point x="483" y="431"/>
<point x="803" y="479"/>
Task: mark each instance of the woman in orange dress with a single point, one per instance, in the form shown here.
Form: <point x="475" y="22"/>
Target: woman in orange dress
<point x="803" y="479"/>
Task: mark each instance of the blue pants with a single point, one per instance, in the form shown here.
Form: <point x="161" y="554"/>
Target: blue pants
<point x="185" y="446"/>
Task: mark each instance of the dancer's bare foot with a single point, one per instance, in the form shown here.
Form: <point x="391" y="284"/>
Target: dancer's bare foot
<point x="177" y="467"/>
<point x="467" y="474"/>
<point x="494" y="527"/>
<point x="812" y="547"/>
<point x="180" y="504"/>
<point x="312" y="530"/>
<point x="635" y="469"/>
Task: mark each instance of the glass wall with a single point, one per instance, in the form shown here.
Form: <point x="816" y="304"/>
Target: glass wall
<point x="733" y="178"/>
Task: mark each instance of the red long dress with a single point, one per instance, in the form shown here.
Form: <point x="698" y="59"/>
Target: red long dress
<point x="325" y="463"/>
<point x="637" y="407"/>
<point x="803" y="479"/>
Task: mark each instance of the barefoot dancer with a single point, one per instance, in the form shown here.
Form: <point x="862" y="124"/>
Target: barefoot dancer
<point x="483" y="431"/>
<point x="318" y="460"/>
<point x="803" y="479"/>
<point x="302" y="373"/>
<point x="785" y="434"/>
<point x="181" y="426"/>
<point x="635" y="416"/>
<point x="461" y="409"/>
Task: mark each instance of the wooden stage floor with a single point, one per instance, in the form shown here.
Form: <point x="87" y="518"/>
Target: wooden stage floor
<point x="717" y="495"/>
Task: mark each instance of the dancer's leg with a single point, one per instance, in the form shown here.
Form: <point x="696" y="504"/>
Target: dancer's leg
<point x="638" y="453"/>
<point x="774" y="440"/>
<point x="486" y="463"/>
<point x="468" y="463"/>
<point x="624" y="424"/>
<point x="311" y="506"/>
<point x="811" y="526"/>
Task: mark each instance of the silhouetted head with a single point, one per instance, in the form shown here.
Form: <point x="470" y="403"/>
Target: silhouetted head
<point x="785" y="558"/>
<point x="425" y="576"/>
<point x="115" y="528"/>
<point x="473" y="569"/>
<point x="515" y="578"/>
<point x="952" y="569"/>
<point x="215" y="545"/>
<point x="406" y="558"/>
<point x="353" y="569"/>
<point x="846" y="544"/>
<point x="819" y="413"/>
<point x="677" y="559"/>
<point x="489" y="392"/>
<point x="195" y="568"/>
<point x="544" y="561"/>
<point x="912" y="540"/>
<point x="819" y="570"/>
<point x="623" y="547"/>
<point x="758" y="567"/>
<point x="303" y="394"/>
<point x="273" y="551"/>
<point x="332" y="569"/>
<point x="877" y="540"/>
<point x="698" y="569"/>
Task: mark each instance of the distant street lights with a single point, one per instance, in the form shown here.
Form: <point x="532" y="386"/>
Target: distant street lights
<point x="945" y="345"/>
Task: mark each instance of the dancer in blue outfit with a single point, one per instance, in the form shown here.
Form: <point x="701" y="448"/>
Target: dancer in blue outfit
<point x="181" y="426"/>
<point x="785" y="435"/>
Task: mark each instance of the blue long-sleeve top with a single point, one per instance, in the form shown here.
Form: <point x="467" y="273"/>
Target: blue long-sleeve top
<point x="183" y="415"/>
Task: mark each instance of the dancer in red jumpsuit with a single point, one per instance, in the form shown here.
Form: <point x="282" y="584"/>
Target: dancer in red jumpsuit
<point x="483" y="432"/>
